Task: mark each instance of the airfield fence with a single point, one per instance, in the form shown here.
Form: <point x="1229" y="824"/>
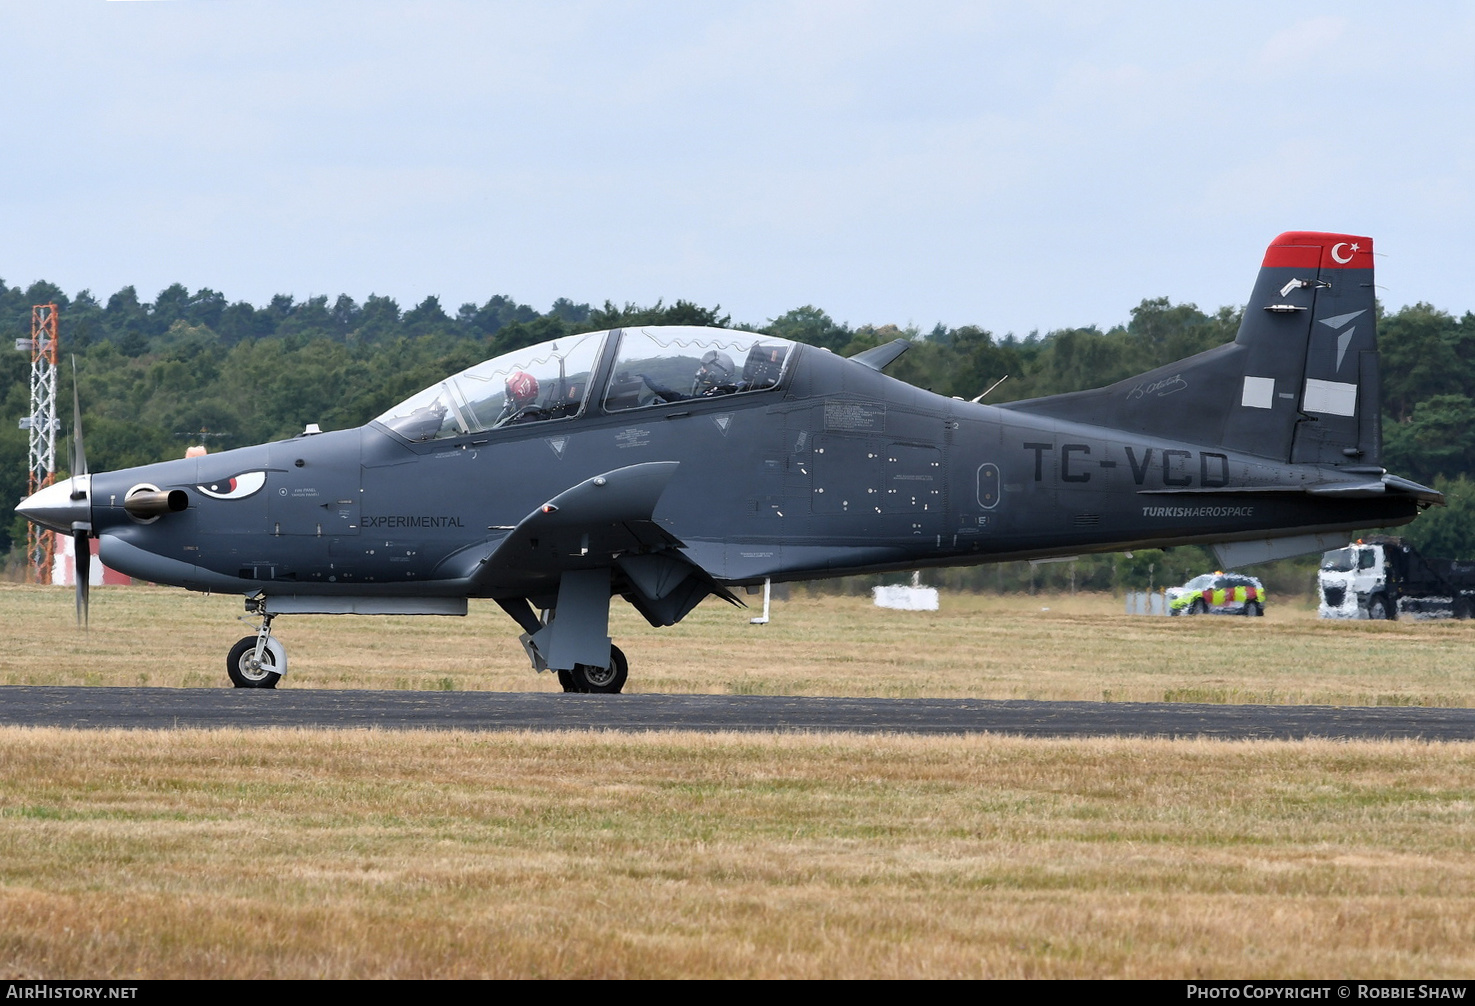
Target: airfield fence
<point x="1146" y="602"/>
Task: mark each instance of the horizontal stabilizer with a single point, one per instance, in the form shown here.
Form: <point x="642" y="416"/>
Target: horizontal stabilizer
<point x="1222" y="491"/>
<point x="1387" y="484"/>
<point x="1408" y="487"/>
<point x="1348" y="490"/>
<point x="1360" y="489"/>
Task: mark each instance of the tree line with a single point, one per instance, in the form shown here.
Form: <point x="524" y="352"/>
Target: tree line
<point x="187" y="368"/>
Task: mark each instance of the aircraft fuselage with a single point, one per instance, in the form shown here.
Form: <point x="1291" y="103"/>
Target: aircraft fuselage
<point x="840" y="470"/>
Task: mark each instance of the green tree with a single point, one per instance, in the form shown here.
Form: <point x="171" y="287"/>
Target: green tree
<point x="497" y="313"/>
<point x="344" y="316"/>
<point x="520" y="334"/>
<point x="171" y="305"/>
<point x="425" y="318"/>
<point x="1438" y="439"/>
<point x="240" y="321"/>
<point x="567" y="310"/>
<point x="205" y="308"/>
<point x="810" y="325"/>
<point x="683" y="312"/>
<point x="379" y="319"/>
<point x="1423" y="353"/>
<point x="1162" y="332"/>
<point x="1078" y="358"/>
<point x="1448" y="531"/>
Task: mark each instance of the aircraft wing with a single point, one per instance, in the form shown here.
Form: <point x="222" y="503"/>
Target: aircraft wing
<point x="606" y="522"/>
<point x="588" y="524"/>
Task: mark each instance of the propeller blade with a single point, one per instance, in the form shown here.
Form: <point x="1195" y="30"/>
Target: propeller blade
<point x="83" y="572"/>
<point x="79" y="456"/>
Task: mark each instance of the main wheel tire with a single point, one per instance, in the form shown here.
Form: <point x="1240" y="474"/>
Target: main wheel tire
<point x="603" y="680"/>
<point x="1379" y="610"/>
<point x="1198" y="607"/>
<point x="1254" y="610"/>
<point x="566" y="679"/>
<point x="245" y="673"/>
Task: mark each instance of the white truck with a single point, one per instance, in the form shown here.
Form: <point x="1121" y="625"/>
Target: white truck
<point x="1385" y="578"/>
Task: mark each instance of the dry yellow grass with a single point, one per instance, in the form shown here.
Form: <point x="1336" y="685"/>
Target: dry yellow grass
<point x="355" y="854"/>
<point x="358" y="854"/>
<point x="976" y="646"/>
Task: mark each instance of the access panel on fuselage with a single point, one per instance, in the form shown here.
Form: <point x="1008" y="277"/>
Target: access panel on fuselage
<point x="314" y="491"/>
<point x="878" y="470"/>
<point x="845" y="474"/>
<point x="912" y="479"/>
<point x="988" y="486"/>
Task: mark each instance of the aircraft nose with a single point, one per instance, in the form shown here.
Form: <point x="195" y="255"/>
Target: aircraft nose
<point x="61" y="505"/>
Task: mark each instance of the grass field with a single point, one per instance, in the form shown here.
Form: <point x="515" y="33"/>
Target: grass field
<point x="364" y="854"/>
<point x="1008" y="647"/>
<point x="356" y="854"/>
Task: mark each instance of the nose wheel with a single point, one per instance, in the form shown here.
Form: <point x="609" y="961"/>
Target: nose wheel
<point x="257" y="661"/>
<point x="248" y="669"/>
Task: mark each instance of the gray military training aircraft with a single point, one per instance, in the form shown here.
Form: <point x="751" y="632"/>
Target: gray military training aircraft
<point x="668" y="464"/>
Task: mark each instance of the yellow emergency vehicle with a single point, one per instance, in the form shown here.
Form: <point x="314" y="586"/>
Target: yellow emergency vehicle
<point x="1218" y="594"/>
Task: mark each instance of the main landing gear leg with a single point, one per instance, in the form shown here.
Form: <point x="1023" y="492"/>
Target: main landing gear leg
<point x="523" y="614"/>
<point x="603" y="679"/>
<point x="598" y="680"/>
<point x="257" y="661"/>
<point x="575" y="644"/>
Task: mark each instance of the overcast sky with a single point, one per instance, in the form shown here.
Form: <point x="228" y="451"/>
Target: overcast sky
<point x="1017" y="166"/>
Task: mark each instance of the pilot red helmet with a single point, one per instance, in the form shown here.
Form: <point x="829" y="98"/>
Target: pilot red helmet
<point x="522" y="387"/>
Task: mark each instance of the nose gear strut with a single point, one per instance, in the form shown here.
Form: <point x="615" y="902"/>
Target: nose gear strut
<point x="257" y="661"/>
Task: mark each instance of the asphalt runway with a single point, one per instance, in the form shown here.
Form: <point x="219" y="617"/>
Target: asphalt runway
<point x="216" y="708"/>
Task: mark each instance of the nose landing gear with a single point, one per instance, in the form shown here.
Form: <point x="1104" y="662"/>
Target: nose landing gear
<point x="257" y="661"/>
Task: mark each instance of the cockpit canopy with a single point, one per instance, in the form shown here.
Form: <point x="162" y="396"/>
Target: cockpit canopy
<point x="552" y="381"/>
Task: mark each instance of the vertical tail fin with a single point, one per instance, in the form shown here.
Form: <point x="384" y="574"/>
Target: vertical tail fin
<point x="1309" y="391"/>
<point x="1298" y="384"/>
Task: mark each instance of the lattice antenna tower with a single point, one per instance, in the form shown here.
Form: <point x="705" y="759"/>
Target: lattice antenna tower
<point x="42" y="424"/>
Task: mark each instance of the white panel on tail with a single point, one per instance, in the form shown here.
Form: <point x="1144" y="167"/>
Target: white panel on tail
<point x="1332" y="398"/>
<point x="1259" y="393"/>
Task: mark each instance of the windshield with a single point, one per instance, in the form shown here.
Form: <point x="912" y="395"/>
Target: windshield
<point x="537" y="384"/>
<point x="1342" y="560"/>
<point x="1200" y="582"/>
